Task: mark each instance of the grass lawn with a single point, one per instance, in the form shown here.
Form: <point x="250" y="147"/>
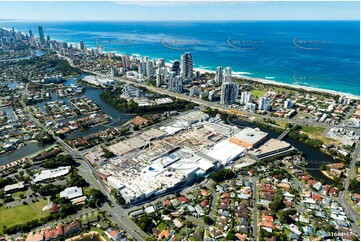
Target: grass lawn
<point x="161" y="226"/>
<point x="101" y="232"/>
<point x="316" y="133"/>
<point x="257" y="93"/>
<point x="18" y="194"/>
<point x="282" y="124"/>
<point x="313" y="130"/>
<point x="21" y="214"/>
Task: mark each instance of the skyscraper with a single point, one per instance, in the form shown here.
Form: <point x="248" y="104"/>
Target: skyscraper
<point x="41" y="35"/>
<point x="113" y="71"/>
<point x="175" y="84"/>
<point x="229" y="93"/>
<point x="126" y="61"/>
<point x="288" y="104"/>
<point x="246" y="97"/>
<point x="219" y="75"/>
<point x="142" y="69"/>
<point x="100" y="50"/>
<point x="161" y="62"/>
<point x="82" y="46"/>
<point x="211" y="95"/>
<point x="194" y="91"/>
<point x="150" y="72"/>
<point x="227" y="74"/>
<point x="264" y="103"/>
<point x="30" y="33"/>
<point x="176" y="67"/>
<point x="187" y="66"/>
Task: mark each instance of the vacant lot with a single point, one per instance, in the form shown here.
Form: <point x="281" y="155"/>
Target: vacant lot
<point x="316" y="133"/>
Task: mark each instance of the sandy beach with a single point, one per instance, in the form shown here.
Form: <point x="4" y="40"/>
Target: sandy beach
<point x="265" y="81"/>
<point x="281" y="84"/>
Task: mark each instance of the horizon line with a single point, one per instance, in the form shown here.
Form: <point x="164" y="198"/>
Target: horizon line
<point x="170" y="20"/>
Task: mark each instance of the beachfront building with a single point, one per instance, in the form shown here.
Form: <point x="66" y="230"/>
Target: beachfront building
<point x="82" y="45"/>
<point x="126" y="61"/>
<point x="150" y="71"/>
<point x="288" y="104"/>
<point x="227" y="77"/>
<point x="161" y="62"/>
<point x="142" y="69"/>
<point x="218" y="78"/>
<point x="176" y="67"/>
<point x="187" y="66"/>
<point x="41" y="35"/>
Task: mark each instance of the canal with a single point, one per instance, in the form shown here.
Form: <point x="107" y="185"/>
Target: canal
<point x="315" y="158"/>
<point x="90" y="92"/>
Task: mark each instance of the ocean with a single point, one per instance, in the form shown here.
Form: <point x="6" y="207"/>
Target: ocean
<point x="317" y="54"/>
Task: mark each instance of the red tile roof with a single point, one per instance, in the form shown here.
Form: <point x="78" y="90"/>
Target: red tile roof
<point x="183" y="199"/>
<point x="49" y="233"/>
<point x="267" y="218"/>
<point x="204" y="203"/>
<point x="164" y="234"/>
<point x="166" y="202"/>
<point x="316" y="197"/>
<point x="59" y="230"/>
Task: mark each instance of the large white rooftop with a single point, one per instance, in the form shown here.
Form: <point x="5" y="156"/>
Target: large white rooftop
<point x="72" y="192"/>
<point x="250" y="136"/>
<point x="53" y="173"/>
<point x="225" y="151"/>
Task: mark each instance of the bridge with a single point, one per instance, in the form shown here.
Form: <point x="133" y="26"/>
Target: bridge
<point x="283" y="135"/>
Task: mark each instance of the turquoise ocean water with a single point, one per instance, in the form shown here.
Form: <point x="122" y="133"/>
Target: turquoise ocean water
<point x="319" y="54"/>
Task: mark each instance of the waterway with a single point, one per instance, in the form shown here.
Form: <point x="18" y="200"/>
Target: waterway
<point x="315" y="158"/>
<point x="90" y="92"/>
<point x="27" y="150"/>
<point x="94" y="94"/>
<point x="36" y="53"/>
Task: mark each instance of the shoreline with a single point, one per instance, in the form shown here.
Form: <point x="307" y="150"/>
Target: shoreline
<point x="271" y="82"/>
<point x="327" y="175"/>
<point x="253" y="79"/>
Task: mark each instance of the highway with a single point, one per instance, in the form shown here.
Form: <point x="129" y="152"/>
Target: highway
<point x="350" y="212"/>
<point x="119" y="215"/>
<point x="348" y="209"/>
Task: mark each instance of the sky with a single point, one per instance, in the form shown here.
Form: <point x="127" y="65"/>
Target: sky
<point x="196" y="11"/>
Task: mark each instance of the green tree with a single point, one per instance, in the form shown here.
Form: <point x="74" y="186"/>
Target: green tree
<point x="208" y="220"/>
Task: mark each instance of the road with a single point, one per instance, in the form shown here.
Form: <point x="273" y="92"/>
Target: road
<point x="355" y="216"/>
<point x="255" y="209"/>
<point x="212" y="105"/>
<point x="350" y="212"/>
<point x="119" y="215"/>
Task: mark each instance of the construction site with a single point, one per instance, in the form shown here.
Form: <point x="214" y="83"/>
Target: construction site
<point x="185" y="150"/>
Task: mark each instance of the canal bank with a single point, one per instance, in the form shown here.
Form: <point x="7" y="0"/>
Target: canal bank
<point x="314" y="157"/>
<point x="93" y="93"/>
<point x="31" y="148"/>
